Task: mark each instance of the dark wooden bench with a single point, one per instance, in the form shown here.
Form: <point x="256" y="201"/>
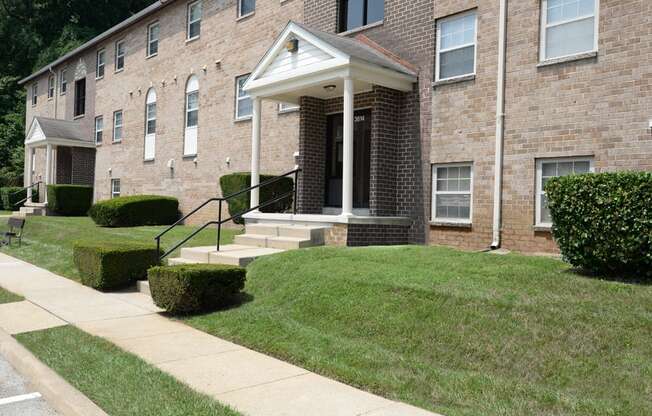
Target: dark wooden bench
<point x="15" y="226"/>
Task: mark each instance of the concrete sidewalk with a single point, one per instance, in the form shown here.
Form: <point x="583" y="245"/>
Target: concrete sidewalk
<point x="253" y="383"/>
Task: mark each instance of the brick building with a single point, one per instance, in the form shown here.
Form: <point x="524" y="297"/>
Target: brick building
<point x="412" y="121"/>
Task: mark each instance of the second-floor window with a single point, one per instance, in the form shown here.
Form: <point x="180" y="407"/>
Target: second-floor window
<point x="152" y="39"/>
<point x="456" y="46"/>
<point x="99" y="129"/>
<point x="358" y="13"/>
<point x="100" y="63"/>
<point x="80" y="97"/>
<point x="117" y="126"/>
<point x="194" y="20"/>
<point x="569" y="27"/>
<point x="246" y="7"/>
<point x="63" y="81"/>
<point x="120" y="52"/>
<point x="34" y="94"/>
<point x="51" y="86"/>
<point x="243" y="105"/>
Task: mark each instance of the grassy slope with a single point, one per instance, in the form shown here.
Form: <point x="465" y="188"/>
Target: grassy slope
<point x="48" y="241"/>
<point x="8" y="297"/>
<point x="459" y="333"/>
<point x="119" y="382"/>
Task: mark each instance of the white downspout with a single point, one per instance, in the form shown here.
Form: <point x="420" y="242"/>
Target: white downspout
<point x="56" y="92"/>
<point x="500" y="126"/>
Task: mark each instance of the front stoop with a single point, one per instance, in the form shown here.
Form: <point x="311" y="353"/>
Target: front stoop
<point x="33" y="209"/>
<point x="260" y="239"/>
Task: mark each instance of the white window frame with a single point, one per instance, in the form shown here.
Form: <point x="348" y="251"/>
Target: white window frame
<point x="63" y="82"/>
<point x="435" y="193"/>
<point x="150" y="41"/>
<point x="118" y="56"/>
<point x="440" y="22"/>
<point x="35" y="94"/>
<point x="288" y="107"/>
<point x="189" y="22"/>
<point x="151" y="99"/>
<point x="191" y="132"/>
<point x="539" y="178"/>
<point x="100" y="63"/>
<point x="240" y="15"/>
<point x="114" y="193"/>
<point x="116" y="125"/>
<point x="99" y="131"/>
<point x="544" y="30"/>
<point x="52" y="86"/>
<point x="238" y="98"/>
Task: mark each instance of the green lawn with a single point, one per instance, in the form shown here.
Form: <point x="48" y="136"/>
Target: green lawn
<point x="48" y="241"/>
<point x="5" y="212"/>
<point x="119" y="382"/>
<point x="8" y="297"/>
<point x="454" y="332"/>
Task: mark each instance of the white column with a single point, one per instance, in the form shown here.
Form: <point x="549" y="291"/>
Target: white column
<point x="255" y="152"/>
<point x="28" y="172"/>
<point x="347" y="174"/>
<point x="48" y="169"/>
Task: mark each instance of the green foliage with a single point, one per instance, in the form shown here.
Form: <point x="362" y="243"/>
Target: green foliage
<point x="107" y="266"/>
<point x="11" y="195"/>
<point x="70" y="200"/>
<point x="195" y="288"/>
<point x="133" y="211"/>
<point x="236" y="182"/>
<point x="603" y="222"/>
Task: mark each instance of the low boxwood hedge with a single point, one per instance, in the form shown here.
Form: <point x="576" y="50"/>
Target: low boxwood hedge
<point x="10" y="195"/>
<point x="195" y="288"/>
<point x="133" y="211"/>
<point x="107" y="266"/>
<point x="70" y="200"/>
<point x="603" y="222"/>
<point x="236" y="182"/>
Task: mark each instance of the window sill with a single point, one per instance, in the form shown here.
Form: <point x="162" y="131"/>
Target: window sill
<point x="79" y="116"/>
<point x="117" y="71"/>
<point x="192" y="39"/>
<point x="290" y="111"/>
<point x="192" y="156"/>
<point x="451" y="224"/>
<point x="62" y="94"/>
<point x="245" y="17"/>
<point x="149" y="161"/>
<point x="543" y="228"/>
<point x="116" y="142"/>
<point x="154" y="55"/>
<point x="362" y="28"/>
<point x="243" y="119"/>
<point x="98" y="144"/>
<point x="455" y="80"/>
<point x="50" y="98"/>
<point x="99" y="78"/>
<point x="566" y="59"/>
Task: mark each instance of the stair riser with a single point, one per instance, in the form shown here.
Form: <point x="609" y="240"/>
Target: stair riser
<point x="262" y="229"/>
<point x="230" y="261"/>
<point x="194" y="255"/>
<point x="249" y="241"/>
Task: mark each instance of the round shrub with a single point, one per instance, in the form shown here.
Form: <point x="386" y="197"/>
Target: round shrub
<point x="603" y="222"/>
<point x="70" y="200"/>
<point x="133" y="211"/>
<point x="187" y="289"/>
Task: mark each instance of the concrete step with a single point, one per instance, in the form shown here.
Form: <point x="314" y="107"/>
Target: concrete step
<point x="142" y="286"/>
<point x="313" y="233"/>
<point x="199" y="254"/>
<point x="178" y="261"/>
<point x="270" y="230"/>
<point x="253" y="240"/>
<point x="240" y="257"/>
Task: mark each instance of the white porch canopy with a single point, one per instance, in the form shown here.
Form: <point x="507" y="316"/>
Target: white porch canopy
<point x="307" y="62"/>
<point x="51" y="133"/>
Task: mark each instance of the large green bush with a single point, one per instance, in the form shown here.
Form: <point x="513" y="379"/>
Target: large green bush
<point x="236" y="182"/>
<point x="132" y="211"/>
<point x="195" y="288"/>
<point x="603" y="222"/>
<point x="11" y="195"/>
<point x="107" y="266"/>
<point x="70" y="200"/>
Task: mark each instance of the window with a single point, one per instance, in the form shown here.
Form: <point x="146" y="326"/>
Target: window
<point x="569" y="27"/>
<point x="150" y="125"/>
<point x="99" y="127"/>
<point x="80" y="97"/>
<point x="287" y="107"/>
<point x="243" y="104"/>
<point x="117" y="126"/>
<point x="553" y="168"/>
<point x="34" y="94"/>
<point x="51" y="86"/>
<point x="192" y="116"/>
<point x="456" y="46"/>
<point x="115" y="188"/>
<point x="194" y="20"/>
<point x="246" y="7"/>
<point x="120" y="52"/>
<point x="63" y="81"/>
<point x="100" y="64"/>
<point x="152" y="39"/>
<point x="358" y="13"/>
<point x="452" y="192"/>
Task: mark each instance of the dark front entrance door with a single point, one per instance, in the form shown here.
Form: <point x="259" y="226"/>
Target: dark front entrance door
<point x="361" y="159"/>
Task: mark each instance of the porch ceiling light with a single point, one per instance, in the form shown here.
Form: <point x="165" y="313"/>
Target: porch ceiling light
<point x="330" y="88"/>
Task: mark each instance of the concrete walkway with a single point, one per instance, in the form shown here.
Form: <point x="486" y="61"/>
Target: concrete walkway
<point x="250" y="382"/>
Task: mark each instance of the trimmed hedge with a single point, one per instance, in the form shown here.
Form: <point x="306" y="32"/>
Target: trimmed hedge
<point x="236" y="182"/>
<point x="8" y="200"/>
<point x="70" y="200"/>
<point x="133" y="211"/>
<point x="187" y="289"/>
<point x="603" y="222"/>
<point x="107" y="266"/>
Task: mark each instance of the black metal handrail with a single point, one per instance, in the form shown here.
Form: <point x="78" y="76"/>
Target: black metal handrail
<point x="220" y="221"/>
<point x="27" y="188"/>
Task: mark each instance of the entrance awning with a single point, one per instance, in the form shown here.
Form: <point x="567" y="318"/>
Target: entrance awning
<point x="44" y="131"/>
<point x="308" y="62"/>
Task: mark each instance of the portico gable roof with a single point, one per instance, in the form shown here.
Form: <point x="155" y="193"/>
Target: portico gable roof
<point x="45" y="131"/>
